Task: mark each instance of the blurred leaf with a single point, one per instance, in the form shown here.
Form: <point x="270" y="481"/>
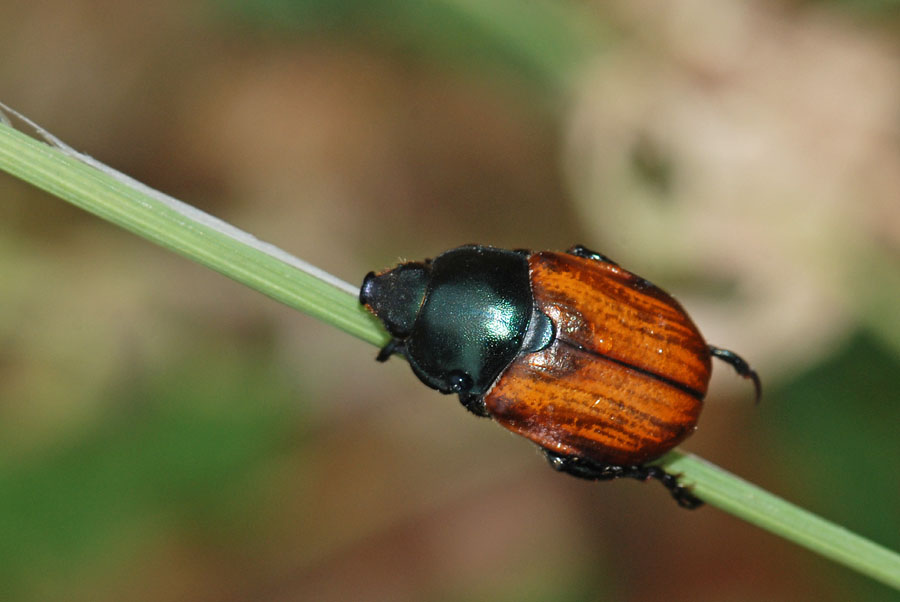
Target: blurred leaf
<point x="877" y="279"/>
<point x="544" y="41"/>
<point x="182" y="448"/>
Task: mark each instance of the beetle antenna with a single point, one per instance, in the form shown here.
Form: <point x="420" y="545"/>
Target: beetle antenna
<point x="740" y="366"/>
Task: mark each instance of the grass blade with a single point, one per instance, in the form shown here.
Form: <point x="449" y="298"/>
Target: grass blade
<point x="187" y="231"/>
<point x="730" y="493"/>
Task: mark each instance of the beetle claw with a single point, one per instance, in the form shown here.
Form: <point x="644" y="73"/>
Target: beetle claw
<point x="740" y="366"/>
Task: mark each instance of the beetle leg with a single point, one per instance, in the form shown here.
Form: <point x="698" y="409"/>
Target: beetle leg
<point x="394" y="346"/>
<point x="474" y="403"/>
<point x="682" y="494"/>
<point x="585" y="469"/>
<point x="740" y="366"/>
<point x="582" y="469"/>
<point x="582" y="251"/>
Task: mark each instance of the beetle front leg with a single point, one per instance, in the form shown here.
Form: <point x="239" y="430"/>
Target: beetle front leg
<point x="475" y="404"/>
<point x="394" y="346"/>
<point x="585" y="469"/>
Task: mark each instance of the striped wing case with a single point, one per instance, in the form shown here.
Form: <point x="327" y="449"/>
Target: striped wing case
<point x="623" y="380"/>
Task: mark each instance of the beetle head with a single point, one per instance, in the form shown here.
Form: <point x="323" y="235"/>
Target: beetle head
<point x="396" y="296"/>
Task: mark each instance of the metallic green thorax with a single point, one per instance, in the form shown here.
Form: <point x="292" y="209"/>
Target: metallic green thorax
<point x="470" y="322"/>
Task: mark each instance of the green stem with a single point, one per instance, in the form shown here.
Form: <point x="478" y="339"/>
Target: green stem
<point x="235" y="254"/>
<point x="187" y="231"/>
<point x="730" y="493"/>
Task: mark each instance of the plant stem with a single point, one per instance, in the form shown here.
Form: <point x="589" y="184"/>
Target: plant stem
<point x="189" y="232"/>
<point x="730" y="493"/>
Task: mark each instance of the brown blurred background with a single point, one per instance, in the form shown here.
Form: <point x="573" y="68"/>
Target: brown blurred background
<point x="166" y="434"/>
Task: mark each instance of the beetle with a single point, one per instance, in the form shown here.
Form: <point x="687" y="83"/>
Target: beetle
<point x="600" y="368"/>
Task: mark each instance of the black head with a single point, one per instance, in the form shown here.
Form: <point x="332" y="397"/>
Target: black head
<point x="396" y="296"/>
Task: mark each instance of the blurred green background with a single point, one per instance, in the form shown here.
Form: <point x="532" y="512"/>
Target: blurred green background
<point x="166" y="434"/>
